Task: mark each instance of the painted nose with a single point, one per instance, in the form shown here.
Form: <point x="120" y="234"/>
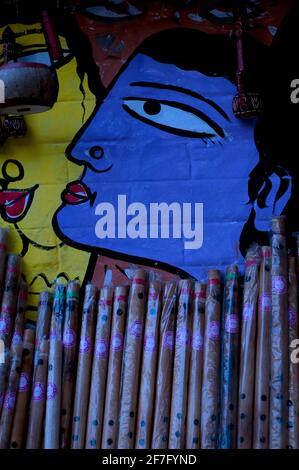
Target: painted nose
<point x="96" y="152"/>
<point x="93" y="156"/>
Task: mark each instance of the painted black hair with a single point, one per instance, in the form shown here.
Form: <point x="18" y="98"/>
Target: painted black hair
<point x="80" y="47"/>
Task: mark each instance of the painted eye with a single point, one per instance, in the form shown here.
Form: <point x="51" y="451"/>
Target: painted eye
<point x="173" y="117"/>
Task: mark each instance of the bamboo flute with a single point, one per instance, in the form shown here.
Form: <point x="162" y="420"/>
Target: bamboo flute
<point x="9" y="298"/>
<point x="70" y="333"/>
<point x="248" y="346"/>
<point x="84" y="367"/>
<point x="132" y="360"/>
<point x="262" y="366"/>
<point x="111" y="412"/>
<point x="178" y="414"/>
<point x="17" y="337"/>
<point x="18" y="428"/>
<point x="149" y="367"/>
<point x="18" y="330"/>
<point x="4" y="368"/>
<point x="99" y="370"/>
<point x="38" y="398"/>
<point x="293" y="399"/>
<point x="193" y="437"/>
<point x="44" y="312"/>
<point x="8" y="408"/>
<point x="3" y="249"/>
<point x="165" y="367"/>
<point x="279" y="338"/>
<point x="211" y="363"/>
<point x="229" y="361"/>
<point x="53" y="399"/>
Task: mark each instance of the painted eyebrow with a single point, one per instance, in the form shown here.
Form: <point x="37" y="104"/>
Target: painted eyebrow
<point x="179" y="89"/>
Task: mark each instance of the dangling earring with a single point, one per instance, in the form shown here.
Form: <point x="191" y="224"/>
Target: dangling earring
<point x="245" y="104"/>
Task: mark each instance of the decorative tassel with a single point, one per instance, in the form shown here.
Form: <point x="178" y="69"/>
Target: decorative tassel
<point x="14" y="126"/>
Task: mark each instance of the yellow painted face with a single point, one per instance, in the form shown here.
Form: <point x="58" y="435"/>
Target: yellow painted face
<point x="37" y="163"/>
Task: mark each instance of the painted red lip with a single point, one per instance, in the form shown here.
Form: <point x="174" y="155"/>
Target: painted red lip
<point x="76" y="193"/>
<point x="15" y="203"/>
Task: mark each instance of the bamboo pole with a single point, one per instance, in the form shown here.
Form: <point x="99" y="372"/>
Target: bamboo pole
<point x="4" y="368"/>
<point x="3" y="250"/>
<point x="18" y="428"/>
<point x="262" y="366"/>
<point x="18" y="330"/>
<point x="99" y="370"/>
<point x="38" y="398"/>
<point x="8" y="408"/>
<point x="69" y="367"/>
<point x="111" y="412"/>
<point x="193" y="437"/>
<point x="149" y="367"/>
<point x="132" y="361"/>
<point x="211" y="363"/>
<point x="248" y="346"/>
<point x="9" y="298"/>
<point x="178" y="414"/>
<point x="293" y="399"/>
<point x="279" y="338"/>
<point x="44" y="312"/>
<point x="84" y="367"/>
<point x="229" y="361"/>
<point x="53" y="401"/>
<point x="165" y="367"/>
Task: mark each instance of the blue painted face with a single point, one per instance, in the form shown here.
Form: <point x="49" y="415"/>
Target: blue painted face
<point x="163" y="135"/>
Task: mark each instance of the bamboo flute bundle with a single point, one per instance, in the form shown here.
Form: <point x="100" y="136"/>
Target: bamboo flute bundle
<point x="9" y="403"/>
<point x="9" y="298"/>
<point x="248" y="342"/>
<point x="38" y="398"/>
<point x="178" y="414"/>
<point x="18" y="428"/>
<point x="132" y="360"/>
<point x="293" y="399"/>
<point x="111" y="412"/>
<point x="262" y="364"/>
<point x="70" y="333"/>
<point x="149" y="366"/>
<point x="18" y="330"/>
<point x="165" y="367"/>
<point x="43" y="321"/>
<point x="193" y="437"/>
<point x="211" y="363"/>
<point x="53" y="400"/>
<point x="229" y="361"/>
<point x="3" y="248"/>
<point x="279" y="338"/>
<point x="84" y="367"/>
<point x="99" y="370"/>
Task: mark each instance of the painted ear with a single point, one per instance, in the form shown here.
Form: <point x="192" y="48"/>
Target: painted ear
<point x="272" y="198"/>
